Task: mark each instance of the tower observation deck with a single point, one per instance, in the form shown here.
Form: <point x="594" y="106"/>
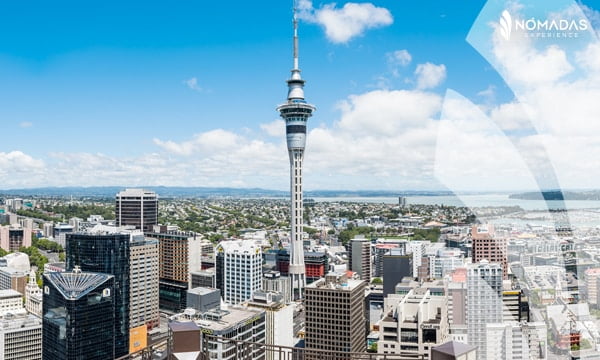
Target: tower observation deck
<point x="296" y="111"/>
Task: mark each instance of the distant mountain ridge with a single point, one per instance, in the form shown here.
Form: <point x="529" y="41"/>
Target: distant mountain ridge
<point x="206" y="192"/>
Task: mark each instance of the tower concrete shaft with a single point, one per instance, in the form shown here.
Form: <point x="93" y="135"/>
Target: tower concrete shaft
<point x="296" y="112"/>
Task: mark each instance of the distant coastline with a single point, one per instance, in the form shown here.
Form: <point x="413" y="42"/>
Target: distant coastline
<point x="558" y="195"/>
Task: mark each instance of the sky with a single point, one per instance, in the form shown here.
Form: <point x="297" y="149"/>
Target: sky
<point x="420" y="95"/>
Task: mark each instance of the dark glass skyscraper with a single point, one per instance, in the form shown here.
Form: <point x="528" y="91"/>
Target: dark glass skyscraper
<point x="108" y="254"/>
<point x="78" y="316"/>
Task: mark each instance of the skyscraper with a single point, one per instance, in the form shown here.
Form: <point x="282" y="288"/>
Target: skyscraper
<point x="296" y="112"/>
<point x="360" y="257"/>
<point x="487" y="245"/>
<point x="137" y="207"/>
<point x="79" y="316"/>
<point x="106" y="253"/>
<point x="239" y="270"/>
<point x="484" y="302"/>
<point x="335" y="315"/>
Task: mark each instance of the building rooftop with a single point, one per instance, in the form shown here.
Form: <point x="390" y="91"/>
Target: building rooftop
<point x="337" y="281"/>
<point x="76" y="284"/>
<point x="136" y="192"/>
<point x="454" y="348"/>
<point x="10" y="293"/>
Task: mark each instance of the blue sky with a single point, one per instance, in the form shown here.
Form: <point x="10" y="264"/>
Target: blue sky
<point x="156" y="93"/>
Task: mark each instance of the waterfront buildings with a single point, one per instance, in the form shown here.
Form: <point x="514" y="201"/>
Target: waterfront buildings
<point x="137" y="207"/>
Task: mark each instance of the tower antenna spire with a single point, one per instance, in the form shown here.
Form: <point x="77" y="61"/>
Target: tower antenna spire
<point x="296" y="35"/>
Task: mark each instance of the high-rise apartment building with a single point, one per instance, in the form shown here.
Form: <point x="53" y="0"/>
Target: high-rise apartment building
<point x="487" y="245"/>
<point x="106" y="251"/>
<point x="137" y="207"/>
<point x="335" y="315"/>
<point x="79" y="316"/>
<point x="144" y="282"/>
<point x="360" y="259"/>
<point x="179" y="256"/>
<point x="591" y="284"/>
<point x="239" y="270"/>
<point x="296" y="111"/>
<point x="484" y="302"/>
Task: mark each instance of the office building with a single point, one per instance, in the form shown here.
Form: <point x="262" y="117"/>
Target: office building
<point x="335" y="314"/>
<point x="239" y="270"/>
<point x="21" y="337"/>
<point x="360" y="257"/>
<point x="11" y="302"/>
<point x="137" y="207"/>
<point x="12" y="237"/>
<point x="60" y="232"/>
<point x="144" y="282"/>
<point x="79" y="316"/>
<point x="235" y="323"/>
<point x="204" y="278"/>
<point x="33" y="296"/>
<point x="279" y="320"/>
<point x="397" y="264"/>
<point x="488" y="246"/>
<point x="273" y="281"/>
<point x="296" y="111"/>
<point x="13" y="279"/>
<point x="179" y="256"/>
<point x="48" y="229"/>
<point x="457" y="305"/>
<point x="415" y="320"/>
<point x="484" y="302"/>
<point x="106" y="251"/>
<point x="515" y="306"/>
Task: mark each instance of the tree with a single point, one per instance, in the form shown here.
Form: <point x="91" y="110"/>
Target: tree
<point x="377" y="281"/>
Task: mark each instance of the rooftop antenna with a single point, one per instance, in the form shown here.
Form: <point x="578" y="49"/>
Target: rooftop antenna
<point x="295" y="34"/>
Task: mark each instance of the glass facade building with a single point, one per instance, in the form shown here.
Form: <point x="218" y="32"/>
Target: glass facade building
<point x="108" y="254"/>
<point x="78" y="316"/>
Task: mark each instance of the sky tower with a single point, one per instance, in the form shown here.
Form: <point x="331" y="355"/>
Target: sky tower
<point x="296" y="112"/>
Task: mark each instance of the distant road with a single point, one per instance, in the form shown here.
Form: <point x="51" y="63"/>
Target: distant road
<point x="52" y="256"/>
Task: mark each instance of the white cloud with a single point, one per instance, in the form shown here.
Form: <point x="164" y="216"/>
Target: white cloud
<point x="275" y="128"/>
<point x="399" y="57"/>
<point x="430" y="75"/>
<point x="26" y="124"/>
<point x="192" y="83"/>
<point x="345" y="23"/>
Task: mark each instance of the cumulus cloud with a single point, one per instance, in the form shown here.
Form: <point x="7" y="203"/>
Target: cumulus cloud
<point x="345" y="23"/>
<point x="192" y="83"/>
<point x="275" y="128"/>
<point x="430" y="75"/>
<point x="399" y="57"/>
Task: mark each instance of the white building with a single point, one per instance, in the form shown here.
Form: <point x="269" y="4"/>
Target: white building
<point x="16" y="260"/>
<point x="143" y="280"/>
<point x="21" y="337"/>
<point x="279" y="320"/>
<point x="484" y="302"/>
<point x="33" y="296"/>
<point x="516" y="341"/>
<point x="239" y="270"/>
<point x="11" y="302"/>
<point x="415" y="320"/>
